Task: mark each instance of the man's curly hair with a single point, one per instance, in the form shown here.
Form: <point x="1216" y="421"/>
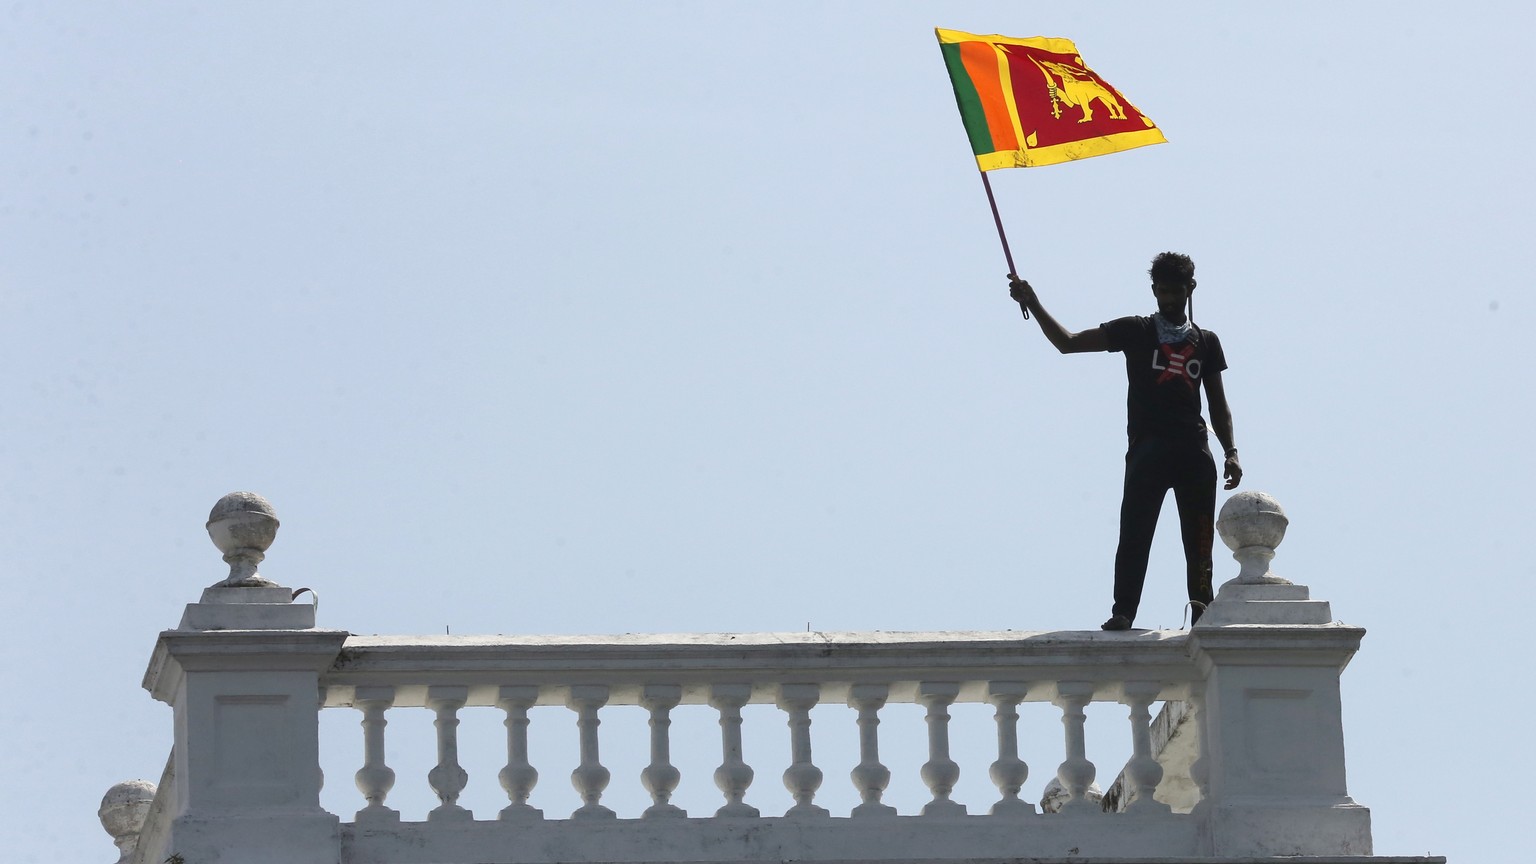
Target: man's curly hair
<point x="1172" y="268"/>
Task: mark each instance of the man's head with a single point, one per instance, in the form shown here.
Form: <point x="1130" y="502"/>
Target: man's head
<point x="1173" y="281"/>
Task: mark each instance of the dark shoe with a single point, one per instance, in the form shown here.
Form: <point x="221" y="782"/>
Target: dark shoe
<point x="1116" y="622"/>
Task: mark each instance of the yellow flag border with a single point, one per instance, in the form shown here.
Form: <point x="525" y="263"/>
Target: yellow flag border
<point x="1056" y="154"/>
<point x="1046" y="43"/>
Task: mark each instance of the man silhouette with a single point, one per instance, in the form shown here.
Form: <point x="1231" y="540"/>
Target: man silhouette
<point x="1167" y="361"/>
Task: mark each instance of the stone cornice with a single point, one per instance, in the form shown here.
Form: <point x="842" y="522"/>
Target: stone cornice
<point x="1265" y="644"/>
<point x="179" y="651"/>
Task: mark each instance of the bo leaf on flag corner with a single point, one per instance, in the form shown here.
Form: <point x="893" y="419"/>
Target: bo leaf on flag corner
<point x="1033" y="101"/>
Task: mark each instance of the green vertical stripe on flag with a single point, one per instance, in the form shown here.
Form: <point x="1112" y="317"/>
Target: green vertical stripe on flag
<point x="971" y="113"/>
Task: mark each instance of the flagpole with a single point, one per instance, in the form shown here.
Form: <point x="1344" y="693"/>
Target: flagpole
<point x="1013" y="272"/>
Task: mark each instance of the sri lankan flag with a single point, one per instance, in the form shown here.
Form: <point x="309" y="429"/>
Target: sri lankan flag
<point x="1028" y="102"/>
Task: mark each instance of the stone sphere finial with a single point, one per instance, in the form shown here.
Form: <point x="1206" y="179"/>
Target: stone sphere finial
<point x="1252" y="525"/>
<point x="243" y="526"/>
<point x="123" y="811"/>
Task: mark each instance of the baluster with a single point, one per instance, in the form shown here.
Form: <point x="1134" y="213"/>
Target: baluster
<point x="448" y="778"/>
<point x="375" y="778"/>
<point x="734" y="775"/>
<point x="1076" y="773"/>
<point x="1199" y="770"/>
<point x="1009" y="771"/>
<point x="869" y="776"/>
<point x="590" y="777"/>
<point x="802" y="778"/>
<point x="661" y="777"/>
<point x="519" y="777"/>
<point x="1142" y="773"/>
<point x="940" y="772"/>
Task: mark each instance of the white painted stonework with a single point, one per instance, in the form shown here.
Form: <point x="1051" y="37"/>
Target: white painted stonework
<point x="123" y="811"/>
<point x="1243" y="761"/>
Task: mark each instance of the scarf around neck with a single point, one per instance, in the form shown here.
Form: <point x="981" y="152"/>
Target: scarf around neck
<point x="1169" y="333"/>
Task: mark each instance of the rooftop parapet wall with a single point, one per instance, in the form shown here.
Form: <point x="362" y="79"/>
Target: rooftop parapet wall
<point x="1256" y="767"/>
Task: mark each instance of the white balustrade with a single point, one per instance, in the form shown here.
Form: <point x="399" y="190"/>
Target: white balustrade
<point x="243" y="782"/>
<point x="724" y="675"/>
<point x="458" y="679"/>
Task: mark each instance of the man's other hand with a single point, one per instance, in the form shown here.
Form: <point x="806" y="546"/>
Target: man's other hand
<point x="1233" y="471"/>
<point x="1020" y="291"/>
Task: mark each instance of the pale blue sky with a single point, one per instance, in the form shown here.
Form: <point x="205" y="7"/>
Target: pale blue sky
<point x="595" y="318"/>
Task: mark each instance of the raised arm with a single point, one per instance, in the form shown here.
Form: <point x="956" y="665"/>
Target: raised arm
<point x="1221" y="424"/>
<point x="1065" y="340"/>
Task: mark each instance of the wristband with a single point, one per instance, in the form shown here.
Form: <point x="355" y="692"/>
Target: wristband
<point x="1230" y="452"/>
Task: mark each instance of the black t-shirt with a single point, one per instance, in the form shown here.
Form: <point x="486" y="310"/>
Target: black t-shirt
<point x="1163" y="381"/>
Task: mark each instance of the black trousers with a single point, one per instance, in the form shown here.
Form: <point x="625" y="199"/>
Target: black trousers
<point x="1153" y="465"/>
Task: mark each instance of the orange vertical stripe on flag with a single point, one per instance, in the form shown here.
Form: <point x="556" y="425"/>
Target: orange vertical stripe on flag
<point x="980" y="60"/>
